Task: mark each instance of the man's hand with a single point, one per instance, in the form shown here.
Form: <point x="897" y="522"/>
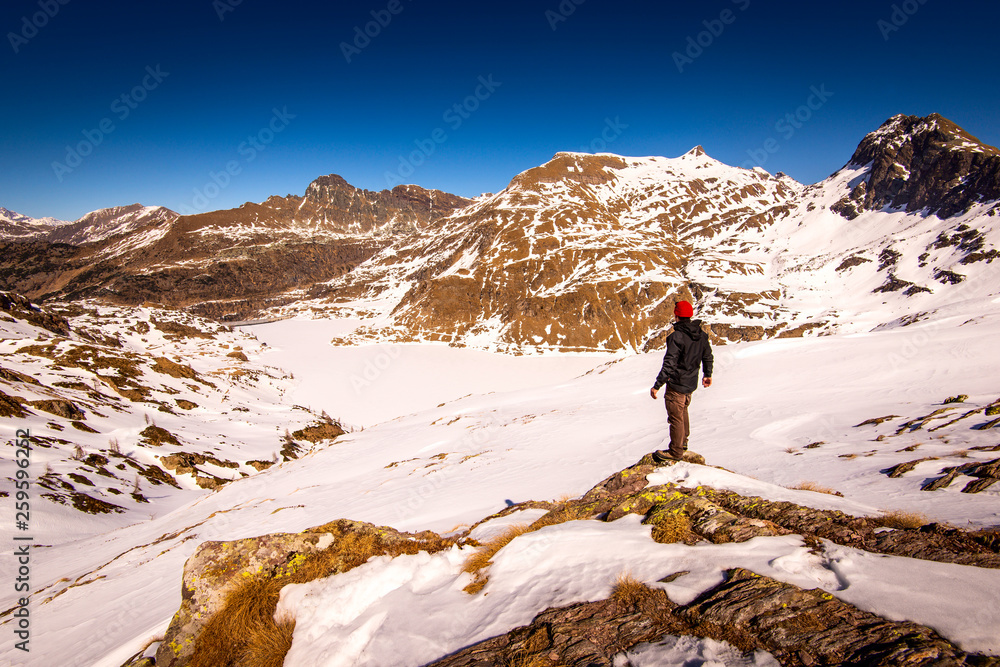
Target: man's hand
<point x="706" y="382"/>
<point x="653" y="391"/>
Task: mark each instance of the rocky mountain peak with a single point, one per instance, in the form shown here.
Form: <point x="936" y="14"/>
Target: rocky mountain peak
<point x="325" y="187"/>
<point x="342" y="203"/>
<point x="923" y="163"/>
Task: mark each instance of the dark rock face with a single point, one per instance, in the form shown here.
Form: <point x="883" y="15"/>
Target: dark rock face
<point x="987" y="474"/>
<point x="405" y="206"/>
<point x="919" y="163"/>
<point x="20" y="307"/>
<point x="60" y="407"/>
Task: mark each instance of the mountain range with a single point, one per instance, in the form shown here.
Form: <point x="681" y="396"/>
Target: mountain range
<point x="584" y="253"/>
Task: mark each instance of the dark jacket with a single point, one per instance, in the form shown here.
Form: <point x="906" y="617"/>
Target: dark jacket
<point x="687" y="349"/>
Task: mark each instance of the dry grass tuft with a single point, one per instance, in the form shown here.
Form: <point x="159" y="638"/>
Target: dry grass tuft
<point x="478" y="584"/>
<point x="806" y="485"/>
<point x="244" y="631"/>
<point x="246" y="618"/>
<point x="902" y="519"/>
<point x="346" y="553"/>
<point x="672" y="528"/>
<point x="521" y="659"/>
<point x="628" y="591"/>
<point x="790" y="450"/>
<point x="268" y="646"/>
<point x="960" y="453"/>
<point x="483" y="556"/>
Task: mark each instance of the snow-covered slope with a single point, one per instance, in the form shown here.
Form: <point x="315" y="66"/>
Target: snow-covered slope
<point x="106" y="223"/>
<point x="134" y="412"/>
<point x="781" y="412"/>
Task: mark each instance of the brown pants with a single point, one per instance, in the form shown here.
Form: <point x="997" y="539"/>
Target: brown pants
<point x="677" y="416"/>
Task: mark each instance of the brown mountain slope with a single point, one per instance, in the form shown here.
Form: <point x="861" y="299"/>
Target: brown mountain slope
<point x="231" y="263"/>
<point x="585" y="252"/>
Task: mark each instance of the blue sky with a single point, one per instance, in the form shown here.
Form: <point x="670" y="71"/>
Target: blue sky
<point x="208" y="104"/>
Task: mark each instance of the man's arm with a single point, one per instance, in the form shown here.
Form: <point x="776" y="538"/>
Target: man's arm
<point x="707" y="365"/>
<point x="669" y="367"/>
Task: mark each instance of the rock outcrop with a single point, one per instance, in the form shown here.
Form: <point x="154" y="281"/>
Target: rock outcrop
<point x="20" y="307"/>
<point x="403" y="209"/>
<point x="750" y="611"/>
<point x="924" y="163"/>
<point x="219" y="568"/>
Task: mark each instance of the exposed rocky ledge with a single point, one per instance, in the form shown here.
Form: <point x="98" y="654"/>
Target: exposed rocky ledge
<point x="751" y="612"/>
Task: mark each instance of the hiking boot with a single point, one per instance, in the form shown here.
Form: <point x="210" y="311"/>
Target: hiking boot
<point x="664" y="456"/>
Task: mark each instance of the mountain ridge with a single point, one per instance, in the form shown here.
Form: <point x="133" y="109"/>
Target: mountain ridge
<point x="583" y="253"/>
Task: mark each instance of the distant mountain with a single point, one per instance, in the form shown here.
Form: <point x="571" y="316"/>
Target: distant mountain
<point x="93" y="227"/>
<point x="225" y="264"/>
<point x="15" y="225"/>
<point x="585" y="252"/>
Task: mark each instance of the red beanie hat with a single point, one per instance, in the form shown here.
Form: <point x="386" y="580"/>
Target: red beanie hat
<point x="683" y="309"/>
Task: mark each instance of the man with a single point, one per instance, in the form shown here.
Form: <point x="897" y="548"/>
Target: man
<point x="687" y="349"/>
